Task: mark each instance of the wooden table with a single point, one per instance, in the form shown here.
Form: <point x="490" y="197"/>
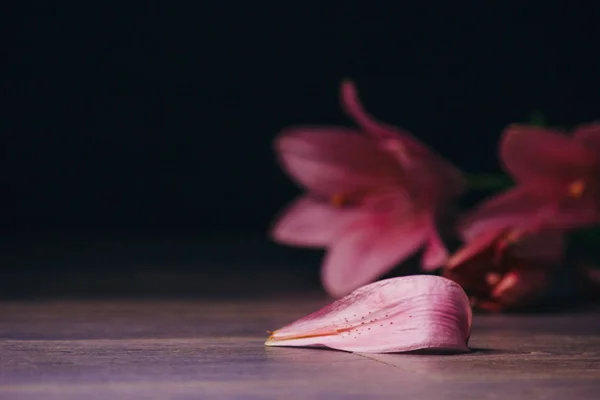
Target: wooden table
<point x="203" y="349"/>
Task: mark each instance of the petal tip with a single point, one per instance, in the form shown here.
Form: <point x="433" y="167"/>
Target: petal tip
<point x="348" y="91"/>
<point x="347" y="84"/>
<point x="271" y="339"/>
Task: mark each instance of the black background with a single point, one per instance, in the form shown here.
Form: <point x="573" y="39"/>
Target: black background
<point x="156" y="118"/>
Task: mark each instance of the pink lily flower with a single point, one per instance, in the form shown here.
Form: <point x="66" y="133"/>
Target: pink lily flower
<point x="417" y="312"/>
<point x="503" y="269"/>
<point x="373" y="196"/>
<point x="558" y="181"/>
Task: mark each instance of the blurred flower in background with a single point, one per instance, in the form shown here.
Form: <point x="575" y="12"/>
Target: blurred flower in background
<point x="501" y="271"/>
<point x="373" y="197"/>
<point x="558" y="182"/>
<point x="515" y="239"/>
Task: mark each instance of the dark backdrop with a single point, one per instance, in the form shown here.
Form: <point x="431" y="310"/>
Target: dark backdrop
<point x="157" y="118"/>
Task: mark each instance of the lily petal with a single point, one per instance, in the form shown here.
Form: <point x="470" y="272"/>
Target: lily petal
<point x="409" y="313"/>
<point x="386" y="134"/>
<point x="543" y="156"/>
<point x="474" y="247"/>
<point x="369" y="249"/>
<point x="432" y="169"/>
<point x="531" y="207"/>
<point x="435" y="254"/>
<point x="312" y="223"/>
<point x="589" y="134"/>
<point x="331" y="160"/>
<point x="511" y="209"/>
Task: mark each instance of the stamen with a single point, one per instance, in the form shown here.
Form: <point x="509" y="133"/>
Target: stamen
<point x="514" y="236"/>
<point x="492" y="278"/>
<point x="510" y="238"/>
<point x="338" y="199"/>
<point x="576" y="188"/>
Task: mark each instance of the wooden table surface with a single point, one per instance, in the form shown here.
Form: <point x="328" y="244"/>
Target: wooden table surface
<point x="188" y="349"/>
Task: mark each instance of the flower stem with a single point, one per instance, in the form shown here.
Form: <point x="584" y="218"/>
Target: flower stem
<point x="488" y="181"/>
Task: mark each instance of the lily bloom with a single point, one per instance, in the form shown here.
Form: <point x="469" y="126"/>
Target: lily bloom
<point x="558" y="181"/>
<point x="372" y="197"/>
<point x="503" y="269"/>
<point x="417" y="312"/>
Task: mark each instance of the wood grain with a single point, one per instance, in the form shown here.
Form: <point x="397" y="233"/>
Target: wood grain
<point x="135" y="349"/>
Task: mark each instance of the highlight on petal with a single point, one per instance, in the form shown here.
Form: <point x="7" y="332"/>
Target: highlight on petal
<point x="520" y="286"/>
<point x="418" y="312"/>
<point x="308" y="222"/>
<point x="474" y="247"/>
<point x="329" y="160"/>
<point x="543" y="156"/>
<point x="368" y="249"/>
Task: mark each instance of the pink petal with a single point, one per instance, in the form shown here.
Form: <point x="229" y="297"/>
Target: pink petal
<point x="333" y="160"/>
<point x="474" y="247"/>
<point x="386" y="134"/>
<point x="406" y="148"/>
<point x="312" y="223"/>
<point x="511" y="209"/>
<point x="435" y="254"/>
<point x="394" y="315"/>
<point x="370" y="249"/>
<point x="544" y="156"/>
<point x="532" y="208"/>
<point x="589" y="134"/>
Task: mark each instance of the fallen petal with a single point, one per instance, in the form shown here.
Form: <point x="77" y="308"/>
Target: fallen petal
<point x="418" y="312"/>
